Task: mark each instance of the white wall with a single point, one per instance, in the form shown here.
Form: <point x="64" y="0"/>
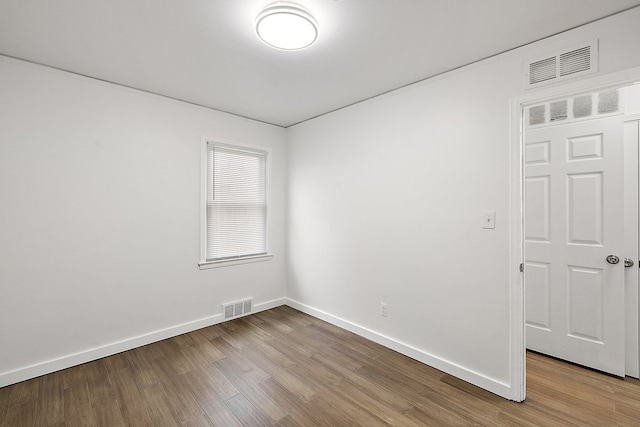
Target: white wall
<point x="385" y="203"/>
<point x="99" y="224"/>
<point x="632" y="99"/>
<point x="100" y="219"/>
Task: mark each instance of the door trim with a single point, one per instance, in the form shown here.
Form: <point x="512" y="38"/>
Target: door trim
<point x="516" y="202"/>
<point x="631" y="126"/>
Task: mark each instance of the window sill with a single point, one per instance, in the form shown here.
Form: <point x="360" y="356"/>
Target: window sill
<point x="204" y="265"/>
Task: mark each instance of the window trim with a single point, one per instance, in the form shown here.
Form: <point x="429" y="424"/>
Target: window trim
<point x="204" y="264"/>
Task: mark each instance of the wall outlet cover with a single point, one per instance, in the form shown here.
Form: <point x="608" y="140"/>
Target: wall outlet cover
<point x="384" y="309"/>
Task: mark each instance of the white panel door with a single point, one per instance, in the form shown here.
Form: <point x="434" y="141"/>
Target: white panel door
<point x="574" y="216"/>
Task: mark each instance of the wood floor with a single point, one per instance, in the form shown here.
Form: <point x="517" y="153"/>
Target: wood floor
<point x="281" y="367"/>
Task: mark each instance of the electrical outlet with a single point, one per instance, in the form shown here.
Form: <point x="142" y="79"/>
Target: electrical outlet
<point x="384" y="309"/>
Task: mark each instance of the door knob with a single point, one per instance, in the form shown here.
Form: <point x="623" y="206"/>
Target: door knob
<point x="628" y="262"/>
<point x="613" y="259"/>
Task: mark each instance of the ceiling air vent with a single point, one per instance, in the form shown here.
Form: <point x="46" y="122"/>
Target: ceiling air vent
<point x="563" y="65"/>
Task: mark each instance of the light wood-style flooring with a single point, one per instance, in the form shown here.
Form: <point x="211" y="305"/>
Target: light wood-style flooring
<point x="282" y="367"/>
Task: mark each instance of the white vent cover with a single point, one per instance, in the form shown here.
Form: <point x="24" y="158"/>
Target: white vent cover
<point x="563" y="65"/>
<point x="232" y="310"/>
<point x="543" y="70"/>
<point x="575" y="61"/>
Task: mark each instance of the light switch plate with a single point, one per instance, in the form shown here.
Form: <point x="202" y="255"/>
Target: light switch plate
<point x="489" y="219"/>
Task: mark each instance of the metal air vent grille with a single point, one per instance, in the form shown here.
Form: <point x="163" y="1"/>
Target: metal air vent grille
<point x="542" y="70"/>
<point x="562" y="65"/>
<point x="576" y="61"/>
<point x="236" y="309"/>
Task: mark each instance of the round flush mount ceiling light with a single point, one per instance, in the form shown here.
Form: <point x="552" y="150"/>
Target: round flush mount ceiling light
<point x="286" y="26"/>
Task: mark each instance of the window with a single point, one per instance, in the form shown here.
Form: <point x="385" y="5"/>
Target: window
<point x="236" y="208"/>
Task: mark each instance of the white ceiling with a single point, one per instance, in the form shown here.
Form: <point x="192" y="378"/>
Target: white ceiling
<point x="206" y="51"/>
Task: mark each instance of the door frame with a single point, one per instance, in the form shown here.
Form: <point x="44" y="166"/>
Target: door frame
<point x="518" y="105"/>
<point x="631" y="123"/>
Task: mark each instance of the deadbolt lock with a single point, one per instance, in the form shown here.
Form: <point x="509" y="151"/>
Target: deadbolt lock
<point x="628" y="262"/>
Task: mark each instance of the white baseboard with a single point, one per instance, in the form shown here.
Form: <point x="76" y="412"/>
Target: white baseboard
<point x="43" y="368"/>
<point x="500" y="388"/>
<point x="46" y="367"/>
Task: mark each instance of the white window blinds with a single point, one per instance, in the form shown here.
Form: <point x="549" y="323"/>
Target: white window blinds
<point x="236" y="202"/>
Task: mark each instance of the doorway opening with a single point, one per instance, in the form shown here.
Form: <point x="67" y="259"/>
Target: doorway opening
<point x="579" y="211"/>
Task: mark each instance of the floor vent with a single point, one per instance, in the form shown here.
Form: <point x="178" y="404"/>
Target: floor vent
<point x="236" y="309"/>
<point x="562" y="65"/>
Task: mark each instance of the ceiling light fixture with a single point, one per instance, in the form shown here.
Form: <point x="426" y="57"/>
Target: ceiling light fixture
<point x="286" y="26"/>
